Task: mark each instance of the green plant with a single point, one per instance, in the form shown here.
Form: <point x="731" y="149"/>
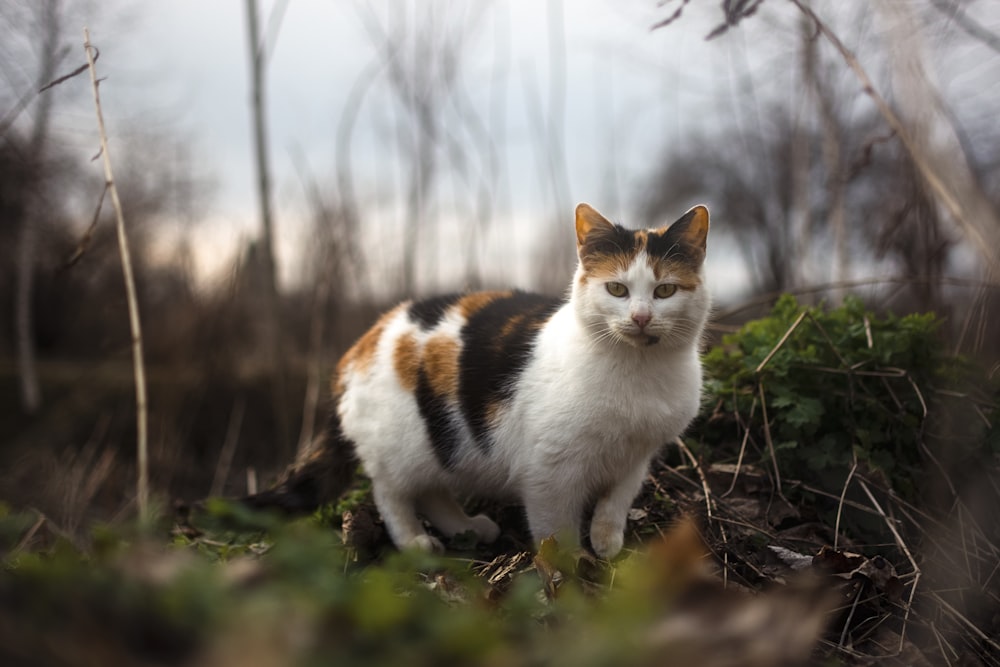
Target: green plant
<point x="822" y="389"/>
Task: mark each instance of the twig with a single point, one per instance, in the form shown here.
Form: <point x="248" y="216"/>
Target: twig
<point x="941" y="643"/>
<point x="709" y="503"/>
<point x="142" y="448"/>
<point x="88" y="235"/>
<point x="891" y="525"/>
<point x="251" y="480"/>
<point x="847" y="623"/>
<point x="781" y="342"/>
<point x="39" y="522"/>
<point x="670" y="19"/>
<point x="829" y="341"/>
<point x="770" y="441"/>
<point x="965" y="621"/>
<point x="840" y="505"/>
<point x="228" y="448"/>
<point x="701" y="475"/>
<point x="770" y="297"/>
<point x="743" y="449"/>
<point x="79" y="70"/>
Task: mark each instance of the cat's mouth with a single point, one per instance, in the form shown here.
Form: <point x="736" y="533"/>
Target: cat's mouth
<point x="640" y="339"/>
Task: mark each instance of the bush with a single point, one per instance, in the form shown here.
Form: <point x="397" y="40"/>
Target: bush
<point x="822" y="389"/>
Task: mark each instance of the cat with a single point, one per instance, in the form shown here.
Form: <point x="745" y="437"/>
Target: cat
<point x="557" y="403"/>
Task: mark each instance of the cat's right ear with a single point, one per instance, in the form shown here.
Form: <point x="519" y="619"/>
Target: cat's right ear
<point x="587" y="220"/>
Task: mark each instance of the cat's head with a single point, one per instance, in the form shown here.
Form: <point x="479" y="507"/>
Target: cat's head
<point x="641" y="287"/>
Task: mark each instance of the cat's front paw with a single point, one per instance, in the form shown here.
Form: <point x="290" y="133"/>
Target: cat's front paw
<point x="485" y="528"/>
<point x="426" y="543"/>
<point x="606" y="538"/>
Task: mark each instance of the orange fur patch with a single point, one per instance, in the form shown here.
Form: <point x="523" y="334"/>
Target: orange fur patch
<point x="510" y="326"/>
<point x="472" y="303"/>
<point x="406" y="361"/>
<point x="361" y="355"/>
<point x="494" y="411"/>
<point x="605" y="266"/>
<point x="441" y="365"/>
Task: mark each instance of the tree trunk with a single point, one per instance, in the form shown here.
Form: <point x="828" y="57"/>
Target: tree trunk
<point x="31" y="210"/>
<point x="271" y="316"/>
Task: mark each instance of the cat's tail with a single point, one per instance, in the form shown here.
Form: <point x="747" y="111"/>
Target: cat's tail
<point x="320" y="475"/>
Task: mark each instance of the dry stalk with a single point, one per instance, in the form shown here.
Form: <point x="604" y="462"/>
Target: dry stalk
<point x="840" y="504"/>
<point x="957" y="615"/>
<point x="39" y="522"/>
<point x="709" y="505"/>
<point x="850" y="616"/>
<point x="142" y="446"/>
<point x="225" y="462"/>
<point x="743" y="447"/>
<point x="768" y="439"/>
<point x="942" y="643"/>
<point x="891" y="525"/>
<point x="770" y="297"/>
<point x="774" y="350"/>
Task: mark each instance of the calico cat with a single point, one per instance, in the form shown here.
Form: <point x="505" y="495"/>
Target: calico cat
<point x="558" y="403"/>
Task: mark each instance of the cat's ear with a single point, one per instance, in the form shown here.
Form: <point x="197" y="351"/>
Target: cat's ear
<point x="587" y="221"/>
<point x="691" y="229"/>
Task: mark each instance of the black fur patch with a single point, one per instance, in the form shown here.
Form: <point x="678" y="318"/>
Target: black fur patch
<point x="440" y="427"/>
<point x="496" y="345"/>
<point x="615" y="240"/>
<point x="669" y="243"/>
<point x="429" y="312"/>
<point x="321" y="478"/>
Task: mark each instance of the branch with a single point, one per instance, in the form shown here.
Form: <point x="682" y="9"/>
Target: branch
<point x="142" y="448"/>
<point x="974" y="29"/>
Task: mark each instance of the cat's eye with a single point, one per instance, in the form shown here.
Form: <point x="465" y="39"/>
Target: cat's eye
<point x="664" y="291"/>
<point x="617" y="289"/>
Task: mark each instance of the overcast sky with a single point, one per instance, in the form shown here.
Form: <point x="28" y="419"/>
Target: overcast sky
<point x="627" y="92"/>
<point x="624" y="95"/>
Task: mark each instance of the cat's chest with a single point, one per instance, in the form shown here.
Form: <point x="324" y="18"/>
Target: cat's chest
<point x="585" y="395"/>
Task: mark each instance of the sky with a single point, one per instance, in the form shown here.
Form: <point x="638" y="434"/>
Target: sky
<point x="602" y="91"/>
<point x="626" y="93"/>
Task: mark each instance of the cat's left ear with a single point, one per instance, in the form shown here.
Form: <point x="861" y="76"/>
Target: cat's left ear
<point x="691" y="229"/>
<point x="587" y="221"/>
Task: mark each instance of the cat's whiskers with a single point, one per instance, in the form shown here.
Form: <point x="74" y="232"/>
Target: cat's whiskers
<point x="601" y="332"/>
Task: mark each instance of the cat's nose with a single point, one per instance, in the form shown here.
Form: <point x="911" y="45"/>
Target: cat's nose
<point x="642" y="319"/>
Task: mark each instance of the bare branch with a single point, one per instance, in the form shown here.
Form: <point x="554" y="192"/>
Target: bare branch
<point x="957" y="13"/>
<point x="66" y="77"/>
<point x="88" y="235"/>
<point x="142" y="447"/>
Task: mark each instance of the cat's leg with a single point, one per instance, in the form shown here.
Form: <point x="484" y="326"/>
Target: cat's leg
<point x="399" y="513"/>
<point x="554" y="511"/>
<point x="607" y="528"/>
<point x="447" y="515"/>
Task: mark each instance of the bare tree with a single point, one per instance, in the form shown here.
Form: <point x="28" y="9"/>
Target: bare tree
<point x="870" y="171"/>
<point x="271" y="325"/>
<point x="47" y="18"/>
<point x="439" y="134"/>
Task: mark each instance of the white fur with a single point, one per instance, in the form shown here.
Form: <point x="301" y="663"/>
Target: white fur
<point x="590" y="410"/>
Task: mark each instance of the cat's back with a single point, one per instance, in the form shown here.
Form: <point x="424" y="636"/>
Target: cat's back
<point x="442" y="366"/>
<point x="450" y="339"/>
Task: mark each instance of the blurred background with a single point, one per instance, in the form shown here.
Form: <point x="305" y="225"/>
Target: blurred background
<point x="286" y="178"/>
